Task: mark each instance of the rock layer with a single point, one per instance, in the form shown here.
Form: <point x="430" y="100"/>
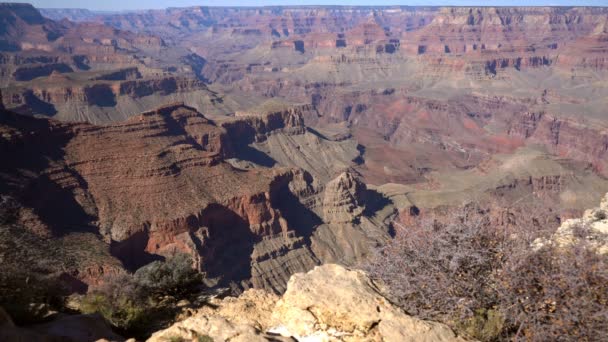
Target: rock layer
<point x="159" y="184"/>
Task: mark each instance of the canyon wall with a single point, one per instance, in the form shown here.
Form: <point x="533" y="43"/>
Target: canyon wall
<point x="158" y="184"/>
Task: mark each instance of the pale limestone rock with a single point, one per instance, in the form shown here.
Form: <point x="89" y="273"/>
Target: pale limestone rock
<point x="595" y="219"/>
<point x="218" y="328"/>
<point x="332" y="303"/>
<point x="253" y="307"/>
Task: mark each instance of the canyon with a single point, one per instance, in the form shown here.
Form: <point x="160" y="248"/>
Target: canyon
<point x="261" y="223"/>
<point x="266" y="141"/>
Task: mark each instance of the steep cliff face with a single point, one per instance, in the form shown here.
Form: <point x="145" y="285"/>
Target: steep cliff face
<point x="108" y="74"/>
<point x="23" y="28"/>
<point x="102" y="94"/>
<point x="142" y="211"/>
<point x="587" y="52"/>
<point x="105" y="100"/>
<point x="564" y="137"/>
<point x="256" y="127"/>
<point x="170" y="191"/>
<point x="500" y="38"/>
<point x="272" y="22"/>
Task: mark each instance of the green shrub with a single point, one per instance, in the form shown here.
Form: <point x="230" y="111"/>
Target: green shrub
<point x="120" y="300"/>
<point x="175" y="276"/>
<point x="204" y="338"/>
<point x="484" y="325"/>
<point x="175" y="339"/>
<point x="129" y="302"/>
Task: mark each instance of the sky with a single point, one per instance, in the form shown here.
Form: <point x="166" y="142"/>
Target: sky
<point x="113" y="5"/>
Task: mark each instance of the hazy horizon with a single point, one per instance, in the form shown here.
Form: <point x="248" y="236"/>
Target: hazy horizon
<point x="118" y="5"/>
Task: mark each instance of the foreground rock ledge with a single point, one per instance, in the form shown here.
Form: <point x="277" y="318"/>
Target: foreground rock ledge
<point x="596" y="220"/>
<point x="329" y="303"/>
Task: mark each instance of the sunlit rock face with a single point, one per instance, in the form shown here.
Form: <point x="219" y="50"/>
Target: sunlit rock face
<point x="329" y="303"/>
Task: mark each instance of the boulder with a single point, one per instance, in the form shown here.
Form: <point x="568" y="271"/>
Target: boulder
<point x="333" y="303"/>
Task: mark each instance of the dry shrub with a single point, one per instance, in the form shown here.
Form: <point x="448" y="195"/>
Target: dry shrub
<point x="555" y="293"/>
<point x="488" y="283"/>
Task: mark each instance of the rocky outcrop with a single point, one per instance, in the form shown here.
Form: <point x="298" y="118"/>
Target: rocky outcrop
<point x="215" y="328"/>
<point x="329" y="303"/>
<point x="357" y="219"/>
<point x="342" y="200"/>
<point x="120" y="75"/>
<point x="255" y="127"/>
<point x="276" y="258"/>
<point x="593" y="227"/>
<point x="334" y="303"/>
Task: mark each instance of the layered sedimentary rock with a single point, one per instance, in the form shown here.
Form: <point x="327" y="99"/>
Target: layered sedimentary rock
<point x="565" y="137"/>
<point x="91" y="71"/>
<point x="329" y="303"/>
<point x="108" y="98"/>
<point x="341" y="200"/>
<point x="142" y="211"/>
<point x="314" y="113"/>
<point x="158" y="184"/>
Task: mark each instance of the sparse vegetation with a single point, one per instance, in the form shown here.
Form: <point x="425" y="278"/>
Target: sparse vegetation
<point x="172" y="277"/>
<point x="121" y="300"/>
<point x="204" y="338"/>
<point x="29" y="297"/>
<point x="35" y="270"/>
<point x="132" y="302"/>
<point x="175" y="339"/>
<point x="29" y="289"/>
<point x="489" y="284"/>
